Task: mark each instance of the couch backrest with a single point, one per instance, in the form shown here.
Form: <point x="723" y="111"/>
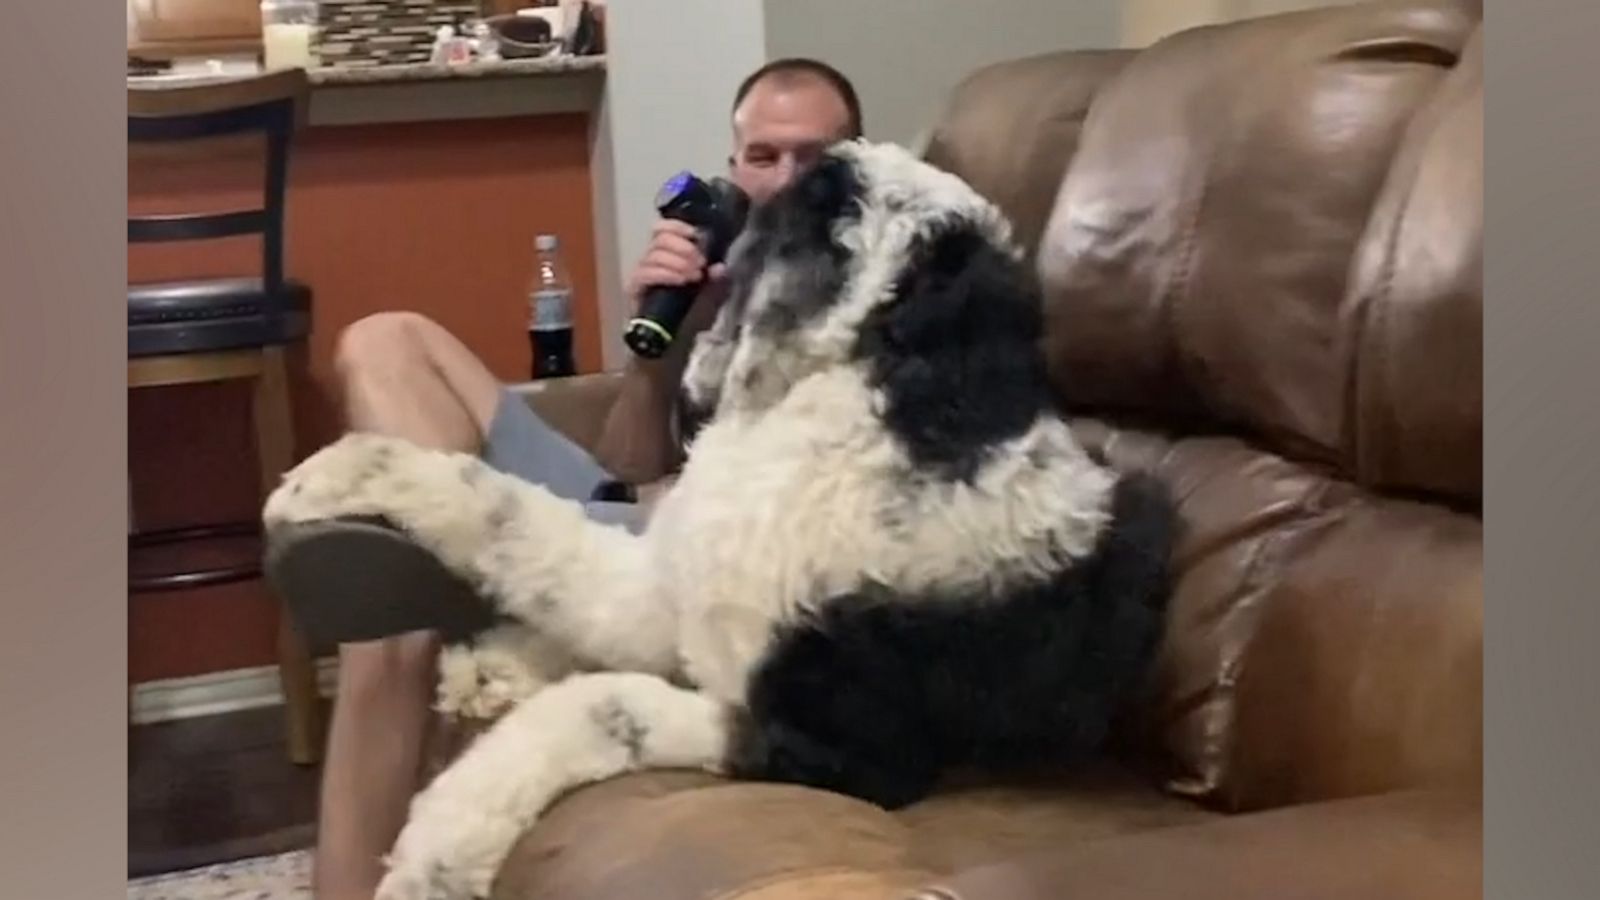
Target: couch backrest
<point x="1261" y="249"/>
<point x="1269" y="228"/>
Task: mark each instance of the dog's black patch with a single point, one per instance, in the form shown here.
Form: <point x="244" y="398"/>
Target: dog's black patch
<point x="957" y="352"/>
<point x="688" y="419"/>
<point x="378" y="462"/>
<point x="875" y="694"/>
<point x="892" y="519"/>
<point x="505" y="511"/>
<point x="620" y="725"/>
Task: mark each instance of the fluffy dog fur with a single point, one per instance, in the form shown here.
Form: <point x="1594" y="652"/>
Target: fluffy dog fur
<point x="886" y="554"/>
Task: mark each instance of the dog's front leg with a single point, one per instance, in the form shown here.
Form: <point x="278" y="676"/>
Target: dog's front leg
<point x="582" y="730"/>
<point x="530" y="554"/>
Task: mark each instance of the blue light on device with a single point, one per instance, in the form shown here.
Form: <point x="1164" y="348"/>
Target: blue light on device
<point x="674" y="187"/>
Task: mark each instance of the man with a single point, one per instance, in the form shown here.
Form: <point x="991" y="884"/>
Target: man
<point x="406" y="376"/>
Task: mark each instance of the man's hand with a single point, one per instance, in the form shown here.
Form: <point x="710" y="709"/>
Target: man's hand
<point x="673" y="258"/>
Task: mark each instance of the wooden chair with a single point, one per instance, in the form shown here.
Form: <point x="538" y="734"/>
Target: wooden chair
<point x="211" y="330"/>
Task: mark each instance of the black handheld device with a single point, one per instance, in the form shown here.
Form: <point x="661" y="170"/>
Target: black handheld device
<point x="717" y="209"/>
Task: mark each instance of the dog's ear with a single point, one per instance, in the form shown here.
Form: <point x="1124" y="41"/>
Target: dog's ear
<point x="826" y="189"/>
<point x="799" y="221"/>
<point x="797" y="241"/>
<point x="956" y="351"/>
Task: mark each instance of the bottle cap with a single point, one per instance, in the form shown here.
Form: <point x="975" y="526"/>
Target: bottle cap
<point x="545" y="242"/>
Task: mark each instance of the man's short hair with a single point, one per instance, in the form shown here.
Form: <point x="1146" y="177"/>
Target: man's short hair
<point x="804" y="67"/>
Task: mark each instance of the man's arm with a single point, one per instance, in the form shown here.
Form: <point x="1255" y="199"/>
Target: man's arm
<point x="637" y="444"/>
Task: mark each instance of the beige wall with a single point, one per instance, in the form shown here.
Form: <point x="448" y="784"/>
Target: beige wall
<point x="672" y="66"/>
<point x="1147" y="21"/>
<point x="905" y="55"/>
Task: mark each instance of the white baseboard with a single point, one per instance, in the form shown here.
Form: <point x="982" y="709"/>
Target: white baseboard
<point x="218" y="692"/>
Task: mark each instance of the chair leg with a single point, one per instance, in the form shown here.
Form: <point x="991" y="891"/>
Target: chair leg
<point x="296" y="669"/>
<point x="297" y="673"/>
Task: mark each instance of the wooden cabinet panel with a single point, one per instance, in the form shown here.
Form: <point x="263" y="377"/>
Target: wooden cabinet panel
<point x="162" y="21"/>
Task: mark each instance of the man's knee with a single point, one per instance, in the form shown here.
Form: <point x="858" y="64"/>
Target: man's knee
<point x="402" y="346"/>
<point x="381" y="341"/>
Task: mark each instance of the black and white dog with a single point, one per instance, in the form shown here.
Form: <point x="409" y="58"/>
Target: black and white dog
<point x="886" y="554"/>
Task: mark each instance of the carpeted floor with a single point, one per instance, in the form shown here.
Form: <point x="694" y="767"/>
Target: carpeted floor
<point x="286" y="876"/>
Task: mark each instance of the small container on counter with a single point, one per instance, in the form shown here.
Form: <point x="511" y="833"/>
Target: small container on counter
<point x="289" y="34"/>
<point x="449" y="48"/>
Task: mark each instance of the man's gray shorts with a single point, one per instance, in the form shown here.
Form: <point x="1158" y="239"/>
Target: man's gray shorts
<point x="522" y="444"/>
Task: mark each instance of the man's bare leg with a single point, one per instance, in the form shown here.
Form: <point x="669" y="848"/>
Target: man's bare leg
<point x="405" y="376"/>
<point x="374" y="760"/>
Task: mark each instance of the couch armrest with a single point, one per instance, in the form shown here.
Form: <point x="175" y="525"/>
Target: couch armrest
<point x="1401" y="846"/>
<point x="575" y="406"/>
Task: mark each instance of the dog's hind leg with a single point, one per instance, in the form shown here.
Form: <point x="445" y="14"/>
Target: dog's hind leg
<point x="587" y="728"/>
<point x="526" y="553"/>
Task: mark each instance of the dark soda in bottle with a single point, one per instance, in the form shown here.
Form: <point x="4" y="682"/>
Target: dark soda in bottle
<point x="550" y="312"/>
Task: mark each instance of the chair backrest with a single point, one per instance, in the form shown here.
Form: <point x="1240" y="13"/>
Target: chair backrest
<point x="272" y="105"/>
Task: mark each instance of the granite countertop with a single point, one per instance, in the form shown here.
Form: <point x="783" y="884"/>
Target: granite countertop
<point x="401" y="74"/>
<point x="506" y="68"/>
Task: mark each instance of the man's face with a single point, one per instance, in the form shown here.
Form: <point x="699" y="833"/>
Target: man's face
<point x="780" y="128"/>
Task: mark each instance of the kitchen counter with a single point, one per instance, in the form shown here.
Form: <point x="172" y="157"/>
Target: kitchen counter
<point x="545" y="66"/>
<point x="423" y="93"/>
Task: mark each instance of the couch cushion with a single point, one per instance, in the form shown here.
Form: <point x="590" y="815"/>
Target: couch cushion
<point x="1199" y="250"/>
<point x="1322" y="641"/>
<point x="672" y="835"/>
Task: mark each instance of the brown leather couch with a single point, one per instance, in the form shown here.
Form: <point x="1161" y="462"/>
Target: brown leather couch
<point x="1262" y="251"/>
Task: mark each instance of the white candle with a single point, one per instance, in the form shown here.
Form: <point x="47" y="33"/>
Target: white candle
<point x="287" y="46"/>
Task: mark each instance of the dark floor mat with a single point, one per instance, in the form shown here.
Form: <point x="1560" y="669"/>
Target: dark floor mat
<point x="215" y="789"/>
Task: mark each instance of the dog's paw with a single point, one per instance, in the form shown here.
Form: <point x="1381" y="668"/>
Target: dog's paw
<point x="502" y="668"/>
<point x="402" y="884"/>
<point x="474" y="688"/>
<point x="407" y="882"/>
<point x="447" y="857"/>
<point x="453" y="503"/>
<point x="342" y="478"/>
